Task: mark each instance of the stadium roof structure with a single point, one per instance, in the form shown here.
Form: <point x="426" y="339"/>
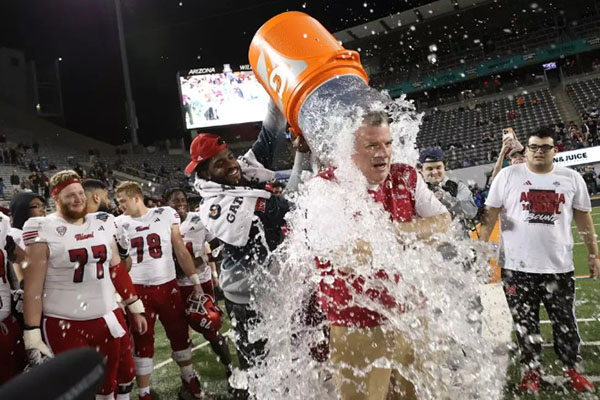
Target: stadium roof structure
<point x="404" y="19"/>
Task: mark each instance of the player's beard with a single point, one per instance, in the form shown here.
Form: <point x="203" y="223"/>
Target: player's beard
<point x="103" y="207"/>
<point x="70" y="214"/>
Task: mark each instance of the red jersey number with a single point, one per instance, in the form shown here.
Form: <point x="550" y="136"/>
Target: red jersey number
<point x="80" y="256"/>
<point x="154" y="248"/>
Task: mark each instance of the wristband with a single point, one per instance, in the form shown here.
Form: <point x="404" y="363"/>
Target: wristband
<point x="594" y="256"/>
<point x="137" y="307"/>
<point x="195" y="279"/>
<point x="29" y="328"/>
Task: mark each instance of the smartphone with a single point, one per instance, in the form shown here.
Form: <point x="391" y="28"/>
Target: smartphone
<point x="510" y="132"/>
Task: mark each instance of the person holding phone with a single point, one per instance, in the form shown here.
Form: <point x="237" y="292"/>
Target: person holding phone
<point x="511" y="148"/>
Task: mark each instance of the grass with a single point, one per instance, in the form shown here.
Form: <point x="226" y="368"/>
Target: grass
<point x="166" y="382"/>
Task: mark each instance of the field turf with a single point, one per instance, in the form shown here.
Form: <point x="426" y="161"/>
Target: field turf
<point x="166" y="381"/>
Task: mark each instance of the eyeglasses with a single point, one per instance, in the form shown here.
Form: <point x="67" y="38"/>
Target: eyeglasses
<point x="545" y="147"/>
<point x="39" y="205"/>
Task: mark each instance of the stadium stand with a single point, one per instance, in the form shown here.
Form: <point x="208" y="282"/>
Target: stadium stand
<point x="584" y="94"/>
<point x="465" y="126"/>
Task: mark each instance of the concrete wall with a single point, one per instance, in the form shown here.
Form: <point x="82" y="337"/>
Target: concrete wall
<point x="471" y="175"/>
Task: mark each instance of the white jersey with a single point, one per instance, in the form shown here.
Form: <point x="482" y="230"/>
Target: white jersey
<point x="78" y="284"/>
<point x="149" y="240"/>
<point x="5" y="297"/>
<point x="195" y="235"/>
<point x="536" y="216"/>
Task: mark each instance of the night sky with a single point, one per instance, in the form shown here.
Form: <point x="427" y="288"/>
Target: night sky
<point x="163" y="36"/>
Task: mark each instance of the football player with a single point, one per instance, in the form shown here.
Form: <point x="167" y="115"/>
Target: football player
<point x="195" y="237"/>
<point x="71" y="257"/>
<point x="96" y="194"/>
<point x="12" y="352"/>
<point x="153" y="235"/>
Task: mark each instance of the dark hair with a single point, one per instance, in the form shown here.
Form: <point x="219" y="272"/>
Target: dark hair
<point x="170" y="192"/>
<point x="93" y="184"/>
<point x="279" y="184"/>
<point x="543" y="132"/>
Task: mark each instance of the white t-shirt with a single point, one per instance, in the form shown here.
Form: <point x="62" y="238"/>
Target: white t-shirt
<point x="536" y="216"/>
<point x="78" y="284"/>
<point x="426" y="204"/>
<point x="5" y="297"/>
<point x="195" y="235"/>
<point x="149" y="240"/>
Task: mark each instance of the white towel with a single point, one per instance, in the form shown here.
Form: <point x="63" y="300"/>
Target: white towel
<point x="114" y="326"/>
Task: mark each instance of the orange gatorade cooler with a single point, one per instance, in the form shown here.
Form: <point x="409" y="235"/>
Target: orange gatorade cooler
<point x="494" y="238"/>
<point x="301" y="65"/>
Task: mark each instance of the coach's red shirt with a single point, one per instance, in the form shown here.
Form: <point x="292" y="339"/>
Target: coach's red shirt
<point x="403" y="195"/>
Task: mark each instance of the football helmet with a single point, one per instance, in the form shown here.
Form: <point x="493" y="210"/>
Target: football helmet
<point x="203" y="314"/>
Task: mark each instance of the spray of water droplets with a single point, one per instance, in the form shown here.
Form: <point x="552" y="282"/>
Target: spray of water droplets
<point x="438" y="285"/>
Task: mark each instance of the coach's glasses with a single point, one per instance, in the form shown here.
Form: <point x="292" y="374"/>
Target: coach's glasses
<point x="545" y="148"/>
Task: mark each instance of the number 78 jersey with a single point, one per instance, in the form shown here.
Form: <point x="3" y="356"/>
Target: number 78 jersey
<point x="149" y="241"/>
<point x="78" y="284"/>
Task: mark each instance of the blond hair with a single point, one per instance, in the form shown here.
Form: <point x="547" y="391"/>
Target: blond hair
<point x="376" y="118"/>
<point x="62" y="176"/>
<point x="130" y="189"/>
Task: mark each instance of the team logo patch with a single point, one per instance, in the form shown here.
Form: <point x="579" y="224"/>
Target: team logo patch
<point x="61" y="230"/>
<point x="215" y="211"/>
<point x="157" y="220"/>
<point x="159" y="210"/>
<point x="556" y="183"/>
<point x="195" y="218"/>
<point x="125" y="226"/>
<point x="261" y="204"/>
<point x="102" y="217"/>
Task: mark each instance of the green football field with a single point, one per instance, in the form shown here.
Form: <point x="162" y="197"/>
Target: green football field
<point x="166" y="381"/>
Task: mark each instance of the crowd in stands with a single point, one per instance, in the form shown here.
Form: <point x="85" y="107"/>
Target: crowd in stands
<point x="571" y="136"/>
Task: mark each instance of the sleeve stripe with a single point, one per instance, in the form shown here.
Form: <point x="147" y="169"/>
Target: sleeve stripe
<point x="29" y="237"/>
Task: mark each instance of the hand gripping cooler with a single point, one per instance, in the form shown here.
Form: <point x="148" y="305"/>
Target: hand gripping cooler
<point x="300" y="64"/>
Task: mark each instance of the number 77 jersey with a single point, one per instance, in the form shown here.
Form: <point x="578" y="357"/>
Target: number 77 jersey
<point x="78" y="284"/>
<point x="149" y="241"/>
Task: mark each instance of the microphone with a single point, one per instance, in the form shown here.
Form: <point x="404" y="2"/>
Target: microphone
<point x="74" y="375"/>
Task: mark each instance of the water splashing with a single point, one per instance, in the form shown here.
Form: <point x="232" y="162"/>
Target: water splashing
<point x="437" y="308"/>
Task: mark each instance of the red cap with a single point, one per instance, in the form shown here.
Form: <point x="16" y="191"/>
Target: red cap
<point x="203" y="147"/>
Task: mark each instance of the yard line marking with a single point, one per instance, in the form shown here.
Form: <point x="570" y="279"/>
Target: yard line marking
<point x="582" y="344"/>
<point x="201" y="345"/>
<point x="547" y="321"/>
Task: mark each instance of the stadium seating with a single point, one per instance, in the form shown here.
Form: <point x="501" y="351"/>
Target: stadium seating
<point x="583" y="93"/>
<point x="462" y="127"/>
